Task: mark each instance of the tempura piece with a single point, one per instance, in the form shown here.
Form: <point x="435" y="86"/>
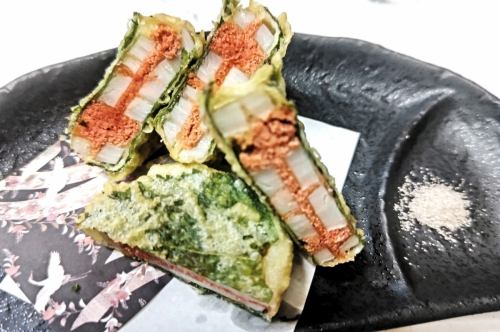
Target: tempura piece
<point x="243" y="40"/>
<point x="206" y="227"/>
<point x="112" y="127"/>
<point x="258" y="131"/>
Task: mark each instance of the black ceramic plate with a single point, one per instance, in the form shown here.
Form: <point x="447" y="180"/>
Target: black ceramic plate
<point x="410" y="115"/>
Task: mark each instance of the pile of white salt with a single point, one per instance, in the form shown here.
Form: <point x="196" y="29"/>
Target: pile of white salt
<point x="434" y="203"/>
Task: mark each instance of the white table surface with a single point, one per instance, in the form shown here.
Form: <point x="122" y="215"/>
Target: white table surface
<point x="461" y="35"/>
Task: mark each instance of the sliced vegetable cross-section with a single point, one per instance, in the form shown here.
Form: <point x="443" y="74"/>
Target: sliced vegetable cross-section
<point x="258" y="131"/>
<point x="112" y="127"/>
<point x="242" y="40"/>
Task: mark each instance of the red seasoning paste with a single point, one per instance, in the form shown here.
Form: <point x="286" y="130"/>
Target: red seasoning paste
<point x="195" y="82"/>
<point x="101" y="123"/>
<point x="238" y="48"/>
<point x="267" y="145"/>
<point x="191" y="131"/>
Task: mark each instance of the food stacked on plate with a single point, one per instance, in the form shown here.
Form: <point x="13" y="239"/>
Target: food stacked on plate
<point x="212" y="102"/>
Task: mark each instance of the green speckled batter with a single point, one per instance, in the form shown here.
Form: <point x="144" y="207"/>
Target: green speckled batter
<point x="205" y="220"/>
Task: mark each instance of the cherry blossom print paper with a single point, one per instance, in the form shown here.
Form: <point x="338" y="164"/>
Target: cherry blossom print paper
<point x="74" y="283"/>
